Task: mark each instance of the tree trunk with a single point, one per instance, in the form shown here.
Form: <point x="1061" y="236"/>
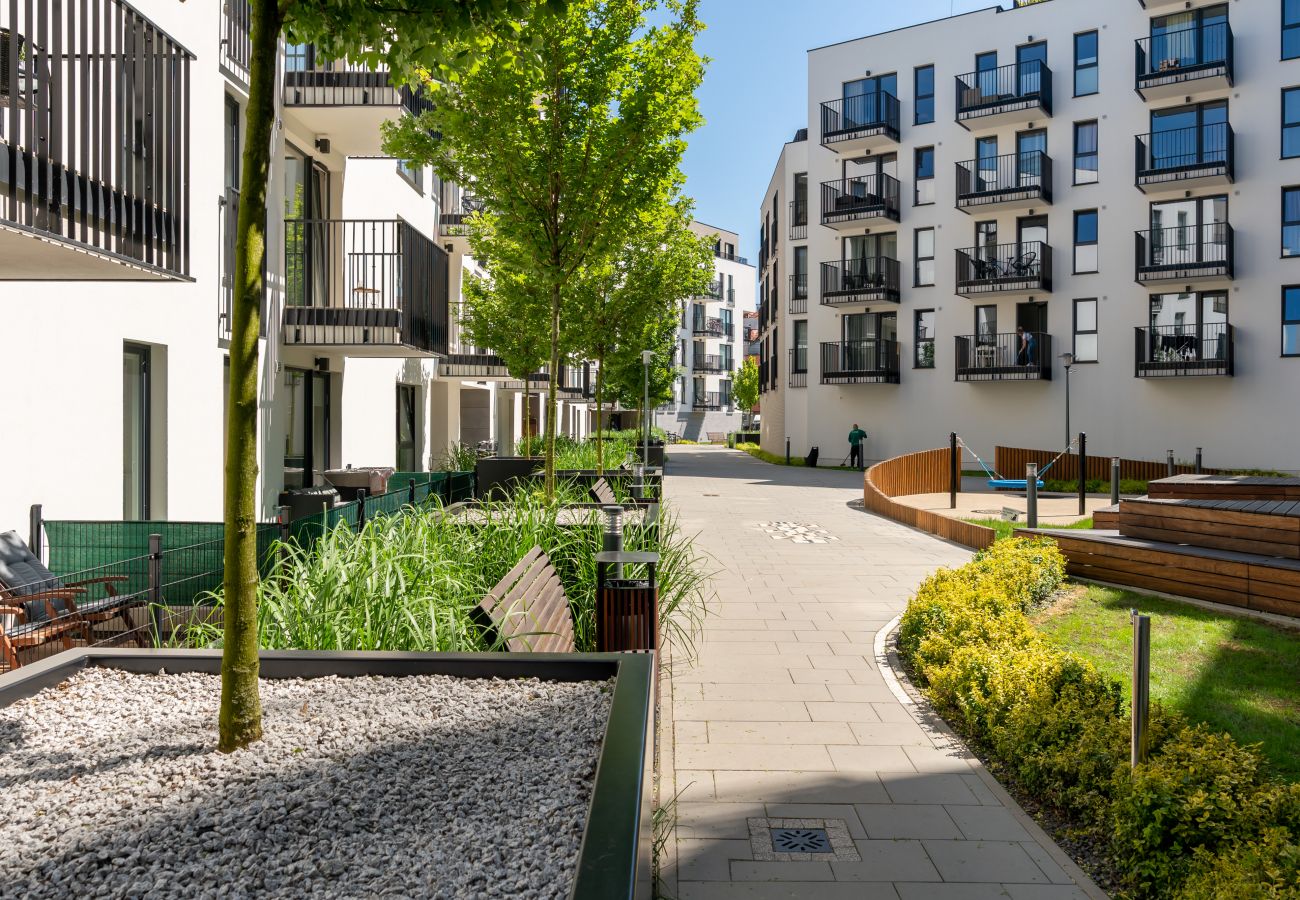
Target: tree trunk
<point x="552" y="387"/>
<point x="240" y="717"/>
<point x="600" y="427"/>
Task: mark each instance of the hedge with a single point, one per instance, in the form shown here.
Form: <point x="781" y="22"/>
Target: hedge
<point x="1202" y="818"/>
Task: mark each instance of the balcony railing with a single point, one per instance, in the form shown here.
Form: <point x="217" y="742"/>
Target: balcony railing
<point x="799" y="367"/>
<point x="772" y="373"/>
<point x="798" y="220"/>
<point x="860" y="116"/>
<point x="710" y="327"/>
<point x="1022" y="87"/>
<point x="1184" y="252"/>
<point x="1188" y="54"/>
<point x="1004" y="357"/>
<point x="1174" y="350"/>
<point x="731" y="296"/>
<point x="731" y="257"/>
<point x="1024" y="267"/>
<point x="710" y="400"/>
<point x="1012" y="178"/>
<point x="852" y="199"/>
<point x="228" y="217"/>
<point x="311" y="80"/>
<point x="866" y="280"/>
<point x="1186" y="154"/>
<point x="236" y="36"/>
<point x="94" y="140"/>
<point x="453" y="225"/>
<point x="866" y="361"/>
<point x="710" y="363"/>
<point x="713" y="290"/>
<point x="798" y="293"/>
<point x="351" y="282"/>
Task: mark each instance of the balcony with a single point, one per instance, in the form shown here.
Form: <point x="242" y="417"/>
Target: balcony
<point x="1164" y="351"/>
<point x="707" y="327"/>
<point x="370" y="287"/>
<point x="872" y="279"/>
<point x="1185" y="158"/>
<point x="799" y="367"/>
<point x="236" y="38"/>
<point x="710" y="400"/>
<point x="867" y="361"/>
<point x="1189" y="62"/>
<point x="731" y="296"/>
<point x="1188" y="253"/>
<point x="710" y="364"/>
<point x="1008" y="95"/>
<point x="713" y="291"/>
<point x="343" y="100"/>
<point x="94" y="145"/>
<point x="1005" y="269"/>
<point x="849" y="202"/>
<point x="854" y="125"/>
<point x="798" y="220"/>
<point x="731" y="257"/>
<point x="1013" y="181"/>
<point x="999" y="357"/>
<point x="798" y="293"/>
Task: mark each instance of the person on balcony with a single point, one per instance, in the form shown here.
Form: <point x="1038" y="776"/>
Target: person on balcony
<point x="856" y="437"/>
<point x="1025" y="355"/>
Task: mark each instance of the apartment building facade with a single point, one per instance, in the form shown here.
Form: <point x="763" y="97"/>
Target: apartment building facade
<point x="710" y="343"/>
<point x="984" y="206"/>
<point x="121" y="135"/>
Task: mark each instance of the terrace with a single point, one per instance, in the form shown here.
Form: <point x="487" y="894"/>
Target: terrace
<point x="1012" y="181"/>
<point x="850" y="202"/>
<point x="854" y="125"/>
<point x="1191" y="254"/>
<point x="1187" y="62"/>
<point x="1164" y="351"/>
<point x="1007" y="95"/>
<point x="1184" y="158"/>
<point x="1005" y="269"/>
<point x="867" y="361"/>
<point x="868" y="280"/>
<point x="1002" y="357"/>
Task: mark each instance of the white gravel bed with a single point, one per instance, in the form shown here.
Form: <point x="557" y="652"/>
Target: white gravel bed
<point x="423" y="786"/>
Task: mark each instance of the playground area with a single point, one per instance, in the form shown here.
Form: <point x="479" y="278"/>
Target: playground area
<point x="978" y="501"/>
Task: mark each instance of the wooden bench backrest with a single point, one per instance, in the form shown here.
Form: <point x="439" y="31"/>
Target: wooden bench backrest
<point x="601" y="492"/>
<point x="529" y="608"/>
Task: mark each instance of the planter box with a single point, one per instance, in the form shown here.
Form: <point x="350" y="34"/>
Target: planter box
<point x="614" y="860"/>
<point x="498" y="475"/>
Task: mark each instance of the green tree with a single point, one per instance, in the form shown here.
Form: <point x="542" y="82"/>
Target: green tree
<point x="744" y="390"/>
<point x="437" y="36"/>
<point x="569" y="147"/>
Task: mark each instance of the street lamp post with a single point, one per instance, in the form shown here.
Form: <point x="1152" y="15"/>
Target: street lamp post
<point x="1067" y="359"/>
<point x="647" y="357"/>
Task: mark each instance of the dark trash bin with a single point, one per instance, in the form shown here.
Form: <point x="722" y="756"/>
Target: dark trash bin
<point x="811" y="459"/>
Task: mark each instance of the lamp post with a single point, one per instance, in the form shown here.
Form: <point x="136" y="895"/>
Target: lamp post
<point x="1067" y="359"/>
<point x="647" y="357"/>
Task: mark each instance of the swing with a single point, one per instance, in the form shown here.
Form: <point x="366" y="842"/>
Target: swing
<point x="996" y="481"/>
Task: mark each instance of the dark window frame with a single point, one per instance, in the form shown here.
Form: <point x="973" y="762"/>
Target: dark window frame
<point x="1074" y="235"/>
<point x="1093" y="66"/>
<point x="1293" y="223"/>
<point x="1286" y="322"/>
<point x="1295" y="89"/>
<point x="920" y="341"/>
<point x="917" y="96"/>
<point x="1095" y="153"/>
<point x="918" y="177"/>
<point x="917" y="258"/>
<point x="1075" y="332"/>
<point x="1293" y="27"/>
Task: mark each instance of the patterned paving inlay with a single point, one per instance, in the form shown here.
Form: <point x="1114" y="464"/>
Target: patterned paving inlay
<point x="797" y="532"/>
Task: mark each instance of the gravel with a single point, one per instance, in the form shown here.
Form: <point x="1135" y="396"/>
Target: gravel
<point x="424" y="786"/>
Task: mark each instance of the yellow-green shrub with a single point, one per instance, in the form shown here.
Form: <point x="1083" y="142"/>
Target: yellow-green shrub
<point x="1266" y="868"/>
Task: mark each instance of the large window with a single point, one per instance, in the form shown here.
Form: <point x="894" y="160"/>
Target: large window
<point x="924" y="176"/>
<point x="923" y="266"/>
<point x="1189" y="326"/>
<point x="407" y="451"/>
<point x="1291" y="221"/>
<point x="1291" y="122"/>
<point x="799" y="364"/>
<point x="1085" y="240"/>
<point x="1291" y="320"/>
<point x="924" y="337"/>
<point x="1085" y="152"/>
<point x="1085" y="330"/>
<point x="1290" y="29"/>
<point x="1085" y="63"/>
<point x="924" y="95"/>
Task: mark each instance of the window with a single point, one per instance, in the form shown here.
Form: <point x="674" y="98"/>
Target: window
<point x="923" y="266"/>
<point x="1290" y="29"/>
<point x="1291" y="221"/>
<point x="233" y="155"/>
<point x="924" y="176"/>
<point x="407" y="451"/>
<point x="1085" y="152"/>
<point x="923" y="111"/>
<point x="1290" y="122"/>
<point x="1291" y="320"/>
<point x="1085" y="240"/>
<point x="1085" y="330"/>
<point x="924" y="335"/>
<point x="799" y="364"/>
<point x="1085" y="63"/>
<point x="413" y="173"/>
<point x="986" y="324"/>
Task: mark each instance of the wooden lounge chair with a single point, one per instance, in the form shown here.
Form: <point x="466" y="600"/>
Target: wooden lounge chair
<point x="34" y="622"/>
<point x="529" y="608"/>
<point x="602" y="493"/>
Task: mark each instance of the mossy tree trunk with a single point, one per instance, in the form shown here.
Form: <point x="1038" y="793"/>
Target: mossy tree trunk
<point x="600" y="427"/>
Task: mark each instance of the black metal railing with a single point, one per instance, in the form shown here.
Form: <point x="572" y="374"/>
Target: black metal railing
<point x="1173" y="57"/>
<point x="311" y="80"/>
<point x="731" y="257"/>
<point x="762" y="375"/>
<point x="1023" y="85"/>
<point x="798" y="220"/>
<point x="862" y="115"/>
<point x="1184" y="251"/>
<point x="453" y="225"/>
<point x="708" y="400"/>
<point x="1172" y="350"/>
<point x="236" y="36"/>
<point x="228" y="218"/>
<point x="798" y="293"/>
<point x="860" y="280"/>
<point x="713" y="291"/>
<point x="364" y="281"/>
<point x="1184" y="153"/>
<point x="1000" y="179"/>
<point x="799" y="367"/>
<point x="710" y="327"/>
<point x="731" y="296"/>
<point x="772" y="373"/>
<point x="94" y="131"/>
<point x="865" y="197"/>
<point x="1024" y="266"/>
<point x="865" y="361"/>
<point x="710" y="363"/>
<point x="1004" y="357"/>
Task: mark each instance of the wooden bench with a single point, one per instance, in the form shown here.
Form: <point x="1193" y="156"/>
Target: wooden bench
<point x="716" y="437"/>
<point x="1106" y="518"/>
<point x="529" y="609"/>
<point x="1225" y="487"/>
<point x="1262" y="527"/>
<point x="602" y="493"/>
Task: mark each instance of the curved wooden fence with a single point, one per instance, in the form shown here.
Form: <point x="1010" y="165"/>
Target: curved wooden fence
<point x="1010" y="462"/>
<point x="926" y="472"/>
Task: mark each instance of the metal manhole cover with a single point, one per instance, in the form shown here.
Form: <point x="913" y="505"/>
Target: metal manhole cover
<point x="801" y="840"/>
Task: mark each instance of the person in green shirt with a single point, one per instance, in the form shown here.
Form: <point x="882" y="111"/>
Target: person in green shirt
<point x="856" y="437"/>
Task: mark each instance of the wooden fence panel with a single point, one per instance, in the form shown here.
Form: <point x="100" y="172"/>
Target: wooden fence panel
<point x="1010" y="462"/>
<point x="926" y="472"/>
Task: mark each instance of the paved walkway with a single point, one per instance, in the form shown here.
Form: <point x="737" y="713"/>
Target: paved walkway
<point x="785" y="719"/>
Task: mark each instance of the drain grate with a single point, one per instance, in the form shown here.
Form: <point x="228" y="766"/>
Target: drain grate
<point x="801" y="840"/>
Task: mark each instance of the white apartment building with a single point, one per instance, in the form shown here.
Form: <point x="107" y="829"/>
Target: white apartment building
<point x="710" y="344"/>
<point x="120" y="150"/>
<point x="1118" y="180"/>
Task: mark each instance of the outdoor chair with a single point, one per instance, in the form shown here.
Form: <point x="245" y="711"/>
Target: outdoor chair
<point x="602" y="493"/>
<point x="528" y="607"/>
<point x="1023" y="265"/>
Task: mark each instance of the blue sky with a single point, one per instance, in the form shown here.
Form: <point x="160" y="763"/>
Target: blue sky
<point x="754" y="90"/>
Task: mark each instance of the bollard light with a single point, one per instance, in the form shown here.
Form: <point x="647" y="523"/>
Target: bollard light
<point x="1031" y="495"/>
<point x="613" y="536"/>
<point x="1141" y="686"/>
<point x="1114" y="480"/>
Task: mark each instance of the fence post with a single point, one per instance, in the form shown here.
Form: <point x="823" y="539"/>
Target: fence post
<point x="36" y="537"/>
<point x="1083" y="473"/>
<point x="787" y="449"/>
<point x="1198" y="460"/>
<point x="954" y="470"/>
<point x="155" y="586"/>
<point x="361" y="509"/>
<point x="1141" y="685"/>
<point x="1031" y="495"/>
<point x="410" y="492"/>
<point x="1114" y="480"/>
<point x="1169" y="463"/>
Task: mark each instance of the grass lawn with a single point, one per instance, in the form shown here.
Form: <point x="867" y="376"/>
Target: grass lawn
<point x="758" y="453"/>
<point x="1004" y="528"/>
<point x="1235" y="674"/>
